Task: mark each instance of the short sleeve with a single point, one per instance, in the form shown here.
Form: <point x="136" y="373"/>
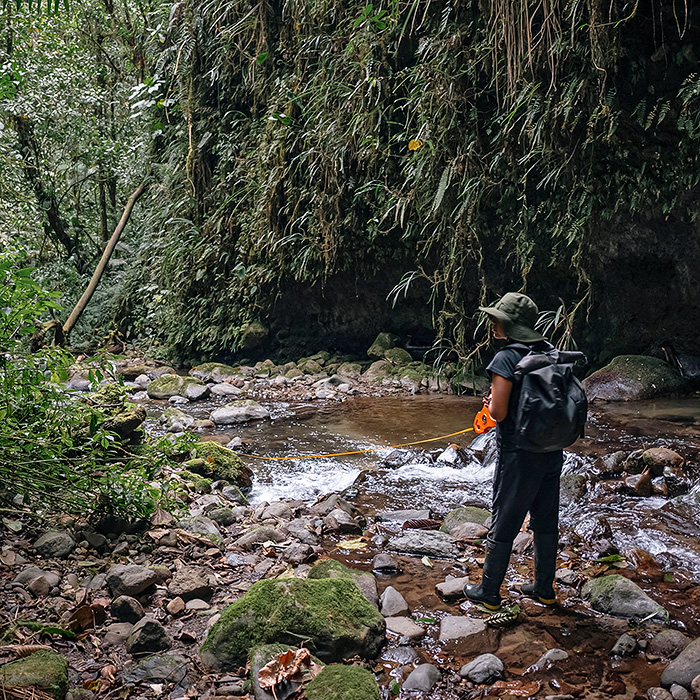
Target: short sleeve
<point x="504" y="362"/>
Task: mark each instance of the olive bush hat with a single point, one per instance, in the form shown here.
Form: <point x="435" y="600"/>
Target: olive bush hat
<point x="518" y="315"/>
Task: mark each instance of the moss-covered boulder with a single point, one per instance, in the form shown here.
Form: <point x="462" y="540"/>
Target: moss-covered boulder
<point x="215" y="372"/>
<point x="634" y="377"/>
<point x="330" y="568"/>
<point x="215" y="461"/>
<point x="170" y="385"/>
<point x="617" y="595"/>
<point x="398" y="357"/>
<point x="351" y="370"/>
<point x="254" y="336"/>
<point x="382" y="343"/>
<point x="45" y="669"/>
<point x="464" y="514"/>
<point x="378" y="371"/>
<point x="121" y="416"/>
<point x="343" y="683"/>
<point x="331" y="614"/>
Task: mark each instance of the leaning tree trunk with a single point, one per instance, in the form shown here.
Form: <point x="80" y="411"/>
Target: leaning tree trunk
<point x="102" y="265"/>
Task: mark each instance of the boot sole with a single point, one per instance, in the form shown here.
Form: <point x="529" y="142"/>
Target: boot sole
<point x="540" y="599"/>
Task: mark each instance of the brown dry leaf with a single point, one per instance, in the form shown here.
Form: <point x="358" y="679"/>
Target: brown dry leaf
<point x="107" y="672"/>
<point x="21" y="651"/>
<point x="162" y="517"/>
<point x="296" y="666"/>
<point x="518" y="688"/>
<point x="81" y="619"/>
<point x="421" y="524"/>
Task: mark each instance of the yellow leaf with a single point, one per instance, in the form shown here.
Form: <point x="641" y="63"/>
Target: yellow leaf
<point x="414" y="144"/>
<point x="357" y="543"/>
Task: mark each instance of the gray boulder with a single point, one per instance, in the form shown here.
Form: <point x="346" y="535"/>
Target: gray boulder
<point x="55" y="544"/>
<point x="190" y="582"/>
<point x="684" y="668"/>
<point x="462" y="515"/>
<point x="240" y="411"/>
<point x="147" y="636"/>
<point x="424" y="678"/>
<point x="424" y="542"/>
<point x="130" y="579"/>
<point x="486" y="668"/>
<point x="617" y="595"/>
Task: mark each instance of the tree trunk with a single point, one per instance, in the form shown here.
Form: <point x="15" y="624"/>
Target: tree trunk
<point x="102" y="265"/>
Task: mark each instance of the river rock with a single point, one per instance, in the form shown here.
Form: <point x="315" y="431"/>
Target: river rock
<point x="330" y="568"/>
<point x="659" y="694"/>
<point x="258" y="535"/>
<point x="486" y="668"/>
<point x="331" y="612"/>
<point x="404" y="627"/>
<point x="398" y="357"/>
<point x="39" y="587"/>
<point x="176" y="421"/>
<point x="222" y="516"/>
<point x="116" y="634"/>
<point x="383" y="342"/>
<point x="658" y="458"/>
<point x="639" y="484"/>
<point x="127" y="609"/>
<point x="302" y="530"/>
<point x="159" y="668"/>
<point x="469" y="531"/>
<point x="424" y="542"/>
<point x="190" y="582"/>
<point x="55" y="544"/>
<point x="617" y="595"/>
<point x="464" y="514"/>
<point x="27" y="575"/>
<point x="378" y="371"/>
<point x="147" y="635"/>
<point x="170" y="385"/>
<point x="452" y="588"/>
<point x="572" y="488"/>
<point x="678" y="692"/>
<point x="549" y="658"/>
<point x="626" y="645"/>
<point x="392" y="603"/>
<point x="385" y="564"/>
<point x="339" y="682"/>
<point x="668" y="644"/>
<point x="45" y="670"/>
<point x="339" y="520"/>
<point x="240" y="411"/>
<point x="695" y="687"/>
<point x="684" y="668"/>
<point x="633" y="377"/>
<point x="298" y="553"/>
<point x="424" y="678"/>
<point x="215" y="372"/>
<point x="456" y="628"/>
<point x="130" y="579"/>
<point x="201" y="525"/>
<point x="217" y="462"/>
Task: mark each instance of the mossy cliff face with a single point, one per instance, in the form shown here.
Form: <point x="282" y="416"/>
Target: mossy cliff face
<point x="212" y="460"/>
<point x="343" y="683"/>
<point x="331" y="614"/>
<point x="45" y="669"/>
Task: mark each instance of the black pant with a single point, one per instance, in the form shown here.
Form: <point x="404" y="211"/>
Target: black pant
<point x="525" y="481"/>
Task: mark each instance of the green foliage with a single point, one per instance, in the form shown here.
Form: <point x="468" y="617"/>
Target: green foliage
<point x="56" y="449"/>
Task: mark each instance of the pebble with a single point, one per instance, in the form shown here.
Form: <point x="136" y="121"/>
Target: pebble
<point x="404" y="627"/>
<point x="452" y="587"/>
<point x="127" y="609"/>
<point x="624" y="646"/>
<point x="117" y="634"/>
<point x="385" y="563"/>
<point x="486" y="668"/>
<point x="392" y="603"/>
<point x="175" y="606"/>
<point x="147" y="635"/>
<point x="423" y="678"/>
<point x="39" y="586"/>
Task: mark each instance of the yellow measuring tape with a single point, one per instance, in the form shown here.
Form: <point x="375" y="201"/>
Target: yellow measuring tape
<point x="359" y="452"/>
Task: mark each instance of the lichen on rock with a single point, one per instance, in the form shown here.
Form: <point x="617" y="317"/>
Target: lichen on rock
<point x="44" y="669"/>
<point x="214" y="461"/>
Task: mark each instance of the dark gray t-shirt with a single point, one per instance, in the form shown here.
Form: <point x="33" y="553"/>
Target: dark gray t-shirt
<point x="503" y="364"/>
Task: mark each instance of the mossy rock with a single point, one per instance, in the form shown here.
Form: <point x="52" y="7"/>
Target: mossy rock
<point x="45" y="669"/>
<point x="378" y="371"/>
<point x="215" y="372"/>
<point x="634" y="377"/>
<point x="332" y="616"/>
<point x="217" y="462"/>
<point x="309" y="366"/>
<point x="398" y="357"/>
<point x="166" y="386"/>
<point x="353" y="370"/>
<point x="254" y="336"/>
<point x="121" y="416"/>
<point x="110" y="398"/>
<point x="343" y="683"/>
<point x="293" y="373"/>
<point x="203" y="485"/>
<point x="382" y="343"/>
<point x="617" y="595"/>
<point x="413" y="373"/>
<point x="331" y="568"/>
<point x="464" y="514"/>
<point x="127" y="422"/>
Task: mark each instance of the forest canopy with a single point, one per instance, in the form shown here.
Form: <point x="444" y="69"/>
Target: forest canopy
<point x="333" y="169"/>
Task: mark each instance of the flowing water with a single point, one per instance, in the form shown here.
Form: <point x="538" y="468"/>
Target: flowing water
<point x="666" y="528"/>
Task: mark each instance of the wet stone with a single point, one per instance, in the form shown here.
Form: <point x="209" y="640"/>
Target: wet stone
<point x="423" y="678"/>
<point x="659" y="694"/>
<point x="127" y="609"/>
<point x="568" y="577"/>
<point x="668" y="644"/>
<point x="678" y="692"/>
<point x="452" y="587"/>
<point x="401" y="516"/>
<point x="222" y="516"/>
<point x="385" y="563"/>
<point x="486" y="668"/>
<point x="549" y="658"/>
<point x="298" y="553"/>
<point x="684" y="668"/>
<point x="458" y="627"/>
<point x="404" y="627"/>
<point x="624" y="646"/>
<point x="617" y="595"/>
<point x="392" y="603"/>
<point x="425" y="542"/>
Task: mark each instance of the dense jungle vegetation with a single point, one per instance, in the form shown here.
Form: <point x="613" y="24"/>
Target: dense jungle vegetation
<point x="332" y="169"/>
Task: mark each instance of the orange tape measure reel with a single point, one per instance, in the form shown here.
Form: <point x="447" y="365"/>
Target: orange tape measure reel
<point x="483" y="421"/>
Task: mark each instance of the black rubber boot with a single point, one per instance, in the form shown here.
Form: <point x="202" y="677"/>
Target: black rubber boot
<point x="546" y="546"/>
<point x="495" y="565"/>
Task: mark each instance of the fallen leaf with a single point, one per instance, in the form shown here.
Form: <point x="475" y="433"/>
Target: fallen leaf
<point x="21" y="651"/>
<point x="295" y="666"/>
<point x="426" y="562"/>
<point x="355" y="543"/>
<point x="107" y="672"/>
<point x="162" y="517"/>
<point x="81" y="619"/>
<point x="14" y="525"/>
<point x="421" y="524"/>
<point x="518" y="688"/>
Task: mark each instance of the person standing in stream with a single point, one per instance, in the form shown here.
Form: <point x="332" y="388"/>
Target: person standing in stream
<point x="524" y="481"/>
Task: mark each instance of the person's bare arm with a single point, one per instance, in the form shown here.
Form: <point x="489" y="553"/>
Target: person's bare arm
<point x="500" y="393"/>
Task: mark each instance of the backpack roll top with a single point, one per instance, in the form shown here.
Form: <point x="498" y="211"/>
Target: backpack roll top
<point x="552" y="407"/>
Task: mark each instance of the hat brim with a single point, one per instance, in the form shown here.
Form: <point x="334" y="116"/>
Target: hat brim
<point x="515" y="331"/>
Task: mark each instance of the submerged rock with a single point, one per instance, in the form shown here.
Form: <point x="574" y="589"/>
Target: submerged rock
<point x="633" y="377"/>
<point x="424" y="678"/>
<point x="331" y="612"/>
<point x="617" y="595"/>
<point x="45" y="670"/>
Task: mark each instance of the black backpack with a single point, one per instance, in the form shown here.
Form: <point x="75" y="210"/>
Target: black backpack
<point x="552" y="407"/>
